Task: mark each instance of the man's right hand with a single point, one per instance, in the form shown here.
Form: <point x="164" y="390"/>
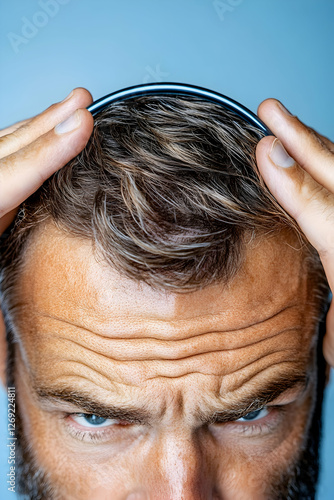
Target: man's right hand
<point x="33" y="149"/>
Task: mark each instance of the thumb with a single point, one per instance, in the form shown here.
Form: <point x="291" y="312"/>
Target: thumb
<point x="307" y="201"/>
<point x="7" y="219"/>
<point x="328" y="345"/>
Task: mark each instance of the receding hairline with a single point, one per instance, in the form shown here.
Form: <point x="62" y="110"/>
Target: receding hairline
<point x="164" y="114"/>
<point x="273" y="242"/>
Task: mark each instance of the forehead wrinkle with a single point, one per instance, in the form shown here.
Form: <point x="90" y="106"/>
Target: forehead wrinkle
<point x="72" y="368"/>
<point x="227" y="353"/>
<point x="177" y="331"/>
<point x="242" y="377"/>
<point x="138" y="372"/>
<point x="214" y="363"/>
<point x="134" y="374"/>
<point x="149" y="350"/>
<point x="90" y="376"/>
<point x="78" y="381"/>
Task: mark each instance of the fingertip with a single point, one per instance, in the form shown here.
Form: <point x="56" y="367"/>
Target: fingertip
<point x="7" y="219"/>
<point x="86" y="117"/>
<point x="75" y="140"/>
<point x="81" y="98"/>
<point x="328" y="349"/>
<point x="271" y="175"/>
<point x="266" y="105"/>
<point x="83" y="93"/>
<point x="264" y="146"/>
<point x="275" y="114"/>
<point x="87" y="123"/>
<point x="79" y="120"/>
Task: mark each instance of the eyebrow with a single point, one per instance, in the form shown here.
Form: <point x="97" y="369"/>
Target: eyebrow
<point x="262" y="397"/>
<point x="252" y="402"/>
<point x="86" y="404"/>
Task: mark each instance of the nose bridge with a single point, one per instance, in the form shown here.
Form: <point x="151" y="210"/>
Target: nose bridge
<point x="184" y="469"/>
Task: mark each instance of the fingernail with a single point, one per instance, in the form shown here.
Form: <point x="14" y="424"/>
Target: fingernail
<point x="71" y="123"/>
<point x="279" y="155"/>
<point x="68" y="97"/>
<point x="283" y="108"/>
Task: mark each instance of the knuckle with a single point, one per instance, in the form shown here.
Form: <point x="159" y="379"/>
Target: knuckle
<point x="319" y="141"/>
<point x="9" y="143"/>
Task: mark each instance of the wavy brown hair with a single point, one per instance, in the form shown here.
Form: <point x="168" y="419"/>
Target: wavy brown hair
<point x="167" y="189"/>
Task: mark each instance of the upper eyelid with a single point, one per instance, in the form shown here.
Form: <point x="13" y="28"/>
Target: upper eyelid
<point x="216" y="419"/>
<point x="259" y="410"/>
<point x="115" y="419"/>
<point x="275" y="404"/>
<point x="82" y="415"/>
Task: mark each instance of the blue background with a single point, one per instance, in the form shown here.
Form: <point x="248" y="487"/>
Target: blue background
<point x="247" y="49"/>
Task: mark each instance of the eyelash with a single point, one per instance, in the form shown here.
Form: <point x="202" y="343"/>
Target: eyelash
<point x="263" y="426"/>
<point x="91" y="436"/>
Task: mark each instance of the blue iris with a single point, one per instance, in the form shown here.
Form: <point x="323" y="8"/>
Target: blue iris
<point x="252" y="415"/>
<point x="94" y="419"/>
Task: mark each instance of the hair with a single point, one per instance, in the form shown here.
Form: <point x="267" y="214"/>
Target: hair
<point x="168" y="191"/>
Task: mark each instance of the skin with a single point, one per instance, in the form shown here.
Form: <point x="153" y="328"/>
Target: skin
<point x="191" y="459"/>
<point x="122" y="343"/>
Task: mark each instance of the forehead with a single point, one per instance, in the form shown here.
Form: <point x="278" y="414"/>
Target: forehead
<point x="62" y="275"/>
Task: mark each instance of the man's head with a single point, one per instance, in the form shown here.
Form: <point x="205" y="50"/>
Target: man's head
<point x="162" y="315"/>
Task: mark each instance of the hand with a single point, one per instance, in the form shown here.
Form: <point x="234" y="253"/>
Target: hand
<point x="33" y="149"/>
<point x="305" y="187"/>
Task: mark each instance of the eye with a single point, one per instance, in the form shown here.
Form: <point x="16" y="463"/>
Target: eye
<point x="87" y="420"/>
<point x="254" y="415"/>
<point x="92" y="428"/>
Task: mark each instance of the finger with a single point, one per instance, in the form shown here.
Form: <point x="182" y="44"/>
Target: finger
<point x="328" y="343"/>
<point x="12" y="128"/>
<point x="7" y="219"/>
<point x="24" y="171"/>
<point x="42" y="123"/>
<point x="300" y="141"/>
<point x="327" y="142"/>
<point x="309" y="203"/>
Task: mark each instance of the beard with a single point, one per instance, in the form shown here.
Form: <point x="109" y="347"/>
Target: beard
<point x="298" y="481"/>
